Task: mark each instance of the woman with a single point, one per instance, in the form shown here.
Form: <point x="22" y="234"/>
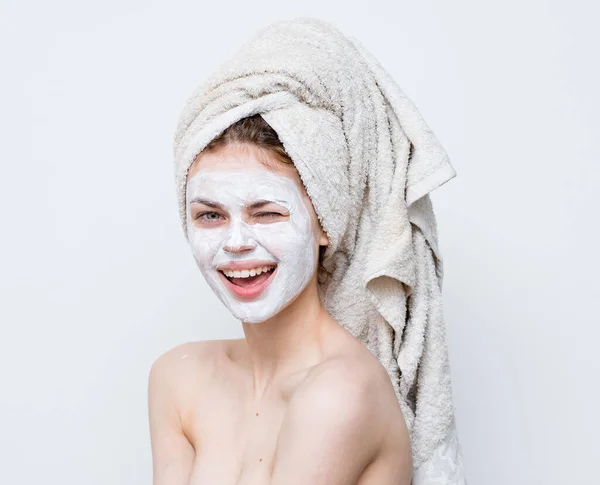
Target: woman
<point x="302" y="175"/>
<point x="299" y="400"/>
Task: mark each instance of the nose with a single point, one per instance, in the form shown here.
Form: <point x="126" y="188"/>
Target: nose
<point x="238" y="240"/>
<point x="238" y="249"/>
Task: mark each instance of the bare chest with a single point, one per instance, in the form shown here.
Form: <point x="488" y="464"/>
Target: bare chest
<point x="240" y="448"/>
<point x="236" y="438"/>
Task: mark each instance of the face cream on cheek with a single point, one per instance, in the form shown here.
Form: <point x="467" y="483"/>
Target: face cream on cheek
<point x="289" y="243"/>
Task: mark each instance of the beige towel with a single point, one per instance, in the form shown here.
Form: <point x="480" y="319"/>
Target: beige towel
<point x="368" y="161"/>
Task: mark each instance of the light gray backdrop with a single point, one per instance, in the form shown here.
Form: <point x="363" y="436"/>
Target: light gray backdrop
<point x="97" y="281"/>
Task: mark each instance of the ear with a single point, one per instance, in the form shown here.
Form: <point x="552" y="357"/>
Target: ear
<point x="323" y="239"/>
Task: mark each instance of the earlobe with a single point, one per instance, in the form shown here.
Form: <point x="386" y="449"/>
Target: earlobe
<point x="323" y="240"/>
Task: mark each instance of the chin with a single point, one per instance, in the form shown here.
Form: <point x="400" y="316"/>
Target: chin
<point x="259" y="315"/>
<point x="254" y="316"/>
<point x="257" y="311"/>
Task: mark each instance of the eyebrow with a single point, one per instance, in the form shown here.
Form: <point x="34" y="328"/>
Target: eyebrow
<point x="254" y="205"/>
<point x="261" y="203"/>
<point x="206" y="202"/>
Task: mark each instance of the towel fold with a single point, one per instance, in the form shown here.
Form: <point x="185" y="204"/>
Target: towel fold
<point x="368" y="161"/>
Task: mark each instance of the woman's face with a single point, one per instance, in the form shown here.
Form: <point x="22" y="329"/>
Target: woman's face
<point x="253" y="231"/>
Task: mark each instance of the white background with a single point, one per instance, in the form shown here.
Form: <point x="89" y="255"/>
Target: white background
<point x="97" y="281"/>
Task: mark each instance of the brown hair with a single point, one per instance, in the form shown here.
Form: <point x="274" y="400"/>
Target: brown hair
<point x="256" y="131"/>
<point x="253" y="130"/>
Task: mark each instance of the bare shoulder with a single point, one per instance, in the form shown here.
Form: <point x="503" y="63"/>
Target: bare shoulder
<point x="354" y="376"/>
<point x="339" y="421"/>
<point x="355" y="388"/>
<point x="187" y="355"/>
<point x="176" y="377"/>
<point x="187" y="366"/>
<point x="197" y="351"/>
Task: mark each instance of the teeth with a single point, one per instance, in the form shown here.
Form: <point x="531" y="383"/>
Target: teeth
<point x="246" y="273"/>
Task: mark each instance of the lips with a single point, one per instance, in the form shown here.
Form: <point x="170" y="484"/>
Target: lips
<point x="247" y="287"/>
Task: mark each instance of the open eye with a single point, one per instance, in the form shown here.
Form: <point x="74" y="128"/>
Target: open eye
<point x="209" y="217"/>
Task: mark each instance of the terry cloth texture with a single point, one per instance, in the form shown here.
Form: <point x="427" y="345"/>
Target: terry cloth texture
<point x="368" y="161"/>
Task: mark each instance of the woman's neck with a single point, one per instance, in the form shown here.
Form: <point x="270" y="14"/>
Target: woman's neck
<point x="290" y="341"/>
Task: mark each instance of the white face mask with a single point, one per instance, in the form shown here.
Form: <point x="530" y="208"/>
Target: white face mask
<point x="231" y="236"/>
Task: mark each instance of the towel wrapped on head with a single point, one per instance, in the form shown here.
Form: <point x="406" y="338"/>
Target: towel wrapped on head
<point x="368" y="161"/>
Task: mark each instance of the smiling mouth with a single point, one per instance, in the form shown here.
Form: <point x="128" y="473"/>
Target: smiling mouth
<point x="248" y="277"/>
<point x="248" y="283"/>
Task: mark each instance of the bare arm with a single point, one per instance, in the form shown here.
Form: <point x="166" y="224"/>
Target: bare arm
<point x="336" y="428"/>
<point x="172" y="453"/>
